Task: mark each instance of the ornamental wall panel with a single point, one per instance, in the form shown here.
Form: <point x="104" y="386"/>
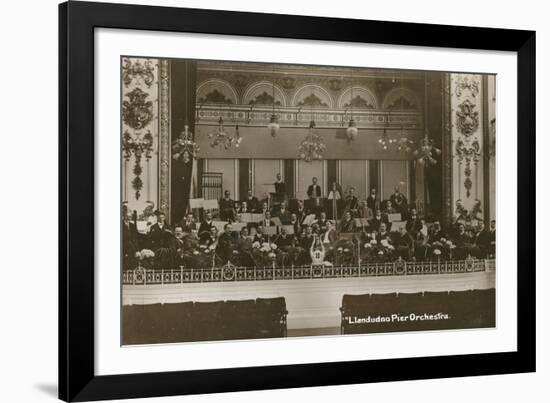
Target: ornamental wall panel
<point x="140" y="134"/>
<point x="467" y="139"/>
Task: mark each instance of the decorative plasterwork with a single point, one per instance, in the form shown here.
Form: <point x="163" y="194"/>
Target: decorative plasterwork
<point x="164" y="137"/>
<point x="312" y="95"/>
<point x="138" y="71"/>
<point x="261" y="93"/>
<point x="466" y="83"/>
<point x="363" y="98"/>
<point x="467" y="138"/>
<point x="242" y="93"/>
<point x="139" y="131"/>
<point x="216" y="91"/>
<point x="401" y="98"/>
<point x="467" y="118"/>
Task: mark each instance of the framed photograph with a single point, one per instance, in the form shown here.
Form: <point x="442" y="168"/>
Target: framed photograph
<point x="257" y="201"/>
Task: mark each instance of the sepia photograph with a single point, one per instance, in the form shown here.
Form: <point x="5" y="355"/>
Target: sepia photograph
<point x="268" y="200"/>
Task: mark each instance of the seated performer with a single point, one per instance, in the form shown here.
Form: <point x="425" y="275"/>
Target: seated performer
<point x="267" y="221"/>
<point x="301" y="212"/>
<point x="399" y="202"/>
<point x="244" y="208"/>
<point x="364" y="211"/>
<point x="482" y="240"/>
<point x="226" y="243"/>
<point x="322" y="221"/>
<point x="295" y="223"/>
<point x="252" y="202"/>
<point x="188" y="223"/>
<point x="227" y="207"/>
<point x="383" y="234"/>
<point x="351" y="203"/>
<point x="284" y="214"/>
<point x="159" y="233"/>
<point x="379" y="218"/>
<point x="211" y="239"/>
<point x="347" y="224"/>
<point x="404" y="244"/>
<point x="206" y="225"/>
<point x="414" y="225"/>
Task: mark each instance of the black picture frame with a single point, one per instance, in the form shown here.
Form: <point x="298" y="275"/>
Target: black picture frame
<point x="77" y="379"/>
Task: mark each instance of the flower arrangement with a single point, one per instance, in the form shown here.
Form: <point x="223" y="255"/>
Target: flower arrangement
<point x="145" y="258"/>
<point x="265" y="253"/>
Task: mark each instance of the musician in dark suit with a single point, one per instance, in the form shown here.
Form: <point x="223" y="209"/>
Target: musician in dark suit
<point x="414" y="225"/>
<point x="482" y="240"/>
<point x="280" y="187"/>
<point x="227" y="243"/>
<point x="159" y="233"/>
<point x="351" y="203"/>
<point x="373" y="201"/>
<point x="130" y="239"/>
<point x="404" y="243"/>
<point x="314" y="190"/>
<point x="267" y="221"/>
<point x="206" y="225"/>
<point x="227" y="207"/>
<point x="295" y="223"/>
<point x="347" y="224"/>
<point x="379" y="218"/>
<point x="301" y="212"/>
<point x="188" y="223"/>
<point x="211" y="239"/>
<point x="284" y="214"/>
<point x="252" y="202"/>
<point x="314" y="193"/>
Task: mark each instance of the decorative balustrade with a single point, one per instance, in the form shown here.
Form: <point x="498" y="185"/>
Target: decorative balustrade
<point x="232" y="273"/>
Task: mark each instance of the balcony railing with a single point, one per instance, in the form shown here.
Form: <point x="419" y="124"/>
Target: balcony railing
<point x="232" y="273"/>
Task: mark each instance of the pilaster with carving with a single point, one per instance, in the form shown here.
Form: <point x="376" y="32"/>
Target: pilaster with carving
<point x="467" y="134"/>
<point x="139" y="115"/>
<point x="164" y="137"/>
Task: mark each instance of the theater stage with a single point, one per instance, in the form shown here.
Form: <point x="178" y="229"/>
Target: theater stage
<point x="313" y="298"/>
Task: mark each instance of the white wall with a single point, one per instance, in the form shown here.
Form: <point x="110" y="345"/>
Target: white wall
<point x="29" y="175"/>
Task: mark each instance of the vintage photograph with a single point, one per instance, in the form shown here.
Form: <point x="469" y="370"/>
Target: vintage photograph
<point x="267" y="200"/>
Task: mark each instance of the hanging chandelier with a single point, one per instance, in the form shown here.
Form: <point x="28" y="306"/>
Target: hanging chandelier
<point x="426" y="149"/>
<point x="403" y="142"/>
<point x="312" y="147"/>
<point x="352" y="130"/>
<point x="385" y="141"/>
<point x="273" y="125"/>
<point x="184" y="147"/>
<point x="224" y="139"/>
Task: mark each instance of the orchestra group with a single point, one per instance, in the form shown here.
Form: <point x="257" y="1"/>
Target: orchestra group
<point x="286" y="230"/>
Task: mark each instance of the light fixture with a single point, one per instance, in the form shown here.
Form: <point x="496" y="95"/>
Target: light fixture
<point x="223" y="139"/>
<point x="403" y="142"/>
<point x="312" y="147"/>
<point x="426" y="149"/>
<point x="352" y="130"/>
<point x="385" y="141"/>
<point x="273" y="125"/>
<point x="184" y="146"/>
